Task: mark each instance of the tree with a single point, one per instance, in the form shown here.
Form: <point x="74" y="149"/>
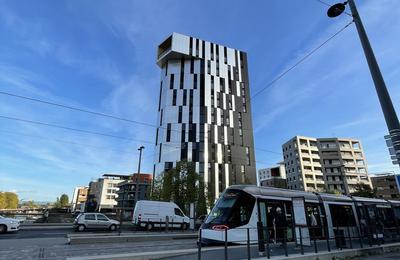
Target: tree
<point x="166" y="193"/>
<point x="2" y="200"/>
<point x="201" y="208"/>
<point x="363" y="190"/>
<point x="156" y="188"/>
<point x="8" y="200"/>
<point x="64" y="200"/>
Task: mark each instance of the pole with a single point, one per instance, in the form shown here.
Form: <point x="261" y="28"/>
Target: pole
<point x="138" y="174"/>
<point x="389" y="113"/>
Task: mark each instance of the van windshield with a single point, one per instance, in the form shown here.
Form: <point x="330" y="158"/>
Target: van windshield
<point x="232" y="209"/>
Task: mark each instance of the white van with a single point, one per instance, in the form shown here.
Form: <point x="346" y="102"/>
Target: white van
<point x="153" y="214"/>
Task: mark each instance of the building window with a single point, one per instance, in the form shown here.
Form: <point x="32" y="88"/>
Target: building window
<point x="225" y="55"/>
<point x="242" y="173"/>
<point x="191" y="65"/>
<point x="183" y="133"/>
<point x="197" y="47"/>
<point x="212" y="51"/>
<point x="190" y="45"/>
<point x="180" y="115"/>
<point x="161" y="117"/>
<point x="248" y="155"/>
<point x="184" y="97"/>
<point x="168" y="133"/>
<point x="171" y="82"/>
<point x="208" y="67"/>
<point x="174" y="97"/>
<point x="182" y="73"/>
<point x="159" y="100"/>
<point x="195" y="81"/>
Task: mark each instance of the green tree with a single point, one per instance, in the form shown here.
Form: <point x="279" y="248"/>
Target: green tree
<point x="10" y="200"/>
<point x="3" y="203"/>
<point x="363" y="190"/>
<point x="64" y="200"/>
<point x="167" y="179"/>
<point x="201" y="208"/>
<point x="156" y="188"/>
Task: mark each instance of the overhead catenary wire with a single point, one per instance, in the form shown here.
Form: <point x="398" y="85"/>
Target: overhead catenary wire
<point x="102" y="134"/>
<point x="280" y="76"/>
<point x="105" y="115"/>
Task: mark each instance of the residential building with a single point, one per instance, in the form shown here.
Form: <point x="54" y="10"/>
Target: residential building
<point x="387" y="185"/>
<point x="126" y="193"/>
<point x="204" y="112"/>
<point x="273" y="176"/>
<point x="105" y="190"/>
<point x="79" y="198"/>
<point x="324" y="164"/>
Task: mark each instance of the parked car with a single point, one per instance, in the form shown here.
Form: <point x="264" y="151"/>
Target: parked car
<point x="8" y="224"/>
<point x="199" y="221"/>
<point x="94" y="221"/>
<point x="154" y="214"/>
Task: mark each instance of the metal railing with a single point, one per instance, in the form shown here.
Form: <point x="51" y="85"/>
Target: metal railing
<point x="302" y="239"/>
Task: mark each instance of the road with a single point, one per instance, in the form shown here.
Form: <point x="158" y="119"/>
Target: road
<point x="51" y="243"/>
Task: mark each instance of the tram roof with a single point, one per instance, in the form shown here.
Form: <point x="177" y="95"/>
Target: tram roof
<point x="285" y="193"/>
<point x="274" y="192"/>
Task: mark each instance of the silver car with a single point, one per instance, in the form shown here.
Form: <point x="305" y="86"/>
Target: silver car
<point x="94" y="221"/>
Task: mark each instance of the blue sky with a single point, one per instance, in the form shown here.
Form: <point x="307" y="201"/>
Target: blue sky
<point x="100" y="55"/>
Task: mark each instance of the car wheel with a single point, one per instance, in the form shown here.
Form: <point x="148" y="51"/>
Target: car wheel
<point x="184" y="226"/>
<point x="113" y="227"/>
<point x="3" y="229"/>
<point x="81" y="228"/>
<point x="149" y="226"/>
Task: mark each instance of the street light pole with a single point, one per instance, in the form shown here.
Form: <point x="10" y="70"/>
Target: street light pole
<point x="389" y="113"/>
<point x="138" y="174"/>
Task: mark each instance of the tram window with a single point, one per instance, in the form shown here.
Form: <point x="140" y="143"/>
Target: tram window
<point x="342" y="215"/>
<point x="234" y="208"/>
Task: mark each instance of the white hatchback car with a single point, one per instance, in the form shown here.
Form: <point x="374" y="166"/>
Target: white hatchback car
<point x="8" y="224"/>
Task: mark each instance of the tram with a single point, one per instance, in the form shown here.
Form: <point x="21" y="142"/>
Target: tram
<point x="241" y="207"/>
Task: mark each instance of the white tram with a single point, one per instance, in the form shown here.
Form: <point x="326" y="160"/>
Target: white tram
<point x="240" y="207"/>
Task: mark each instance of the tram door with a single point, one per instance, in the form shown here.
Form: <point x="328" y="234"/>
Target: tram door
<point x="314" y="220"/>
<point x="267" y="215"/>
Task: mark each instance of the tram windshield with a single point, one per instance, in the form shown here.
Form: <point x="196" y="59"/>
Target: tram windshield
<point x="232" y="209"/>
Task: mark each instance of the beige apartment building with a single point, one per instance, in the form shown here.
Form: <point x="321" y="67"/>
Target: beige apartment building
<point x="324" y="164"/>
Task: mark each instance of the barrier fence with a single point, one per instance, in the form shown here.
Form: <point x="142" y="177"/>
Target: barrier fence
<point x="265" y="241"/>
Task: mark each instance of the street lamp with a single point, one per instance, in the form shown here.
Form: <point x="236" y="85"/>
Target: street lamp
<point x="138" y="174"/>
<point x="389" y="113"/>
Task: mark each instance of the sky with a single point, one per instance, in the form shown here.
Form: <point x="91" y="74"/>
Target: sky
<point x="101" y="56"/>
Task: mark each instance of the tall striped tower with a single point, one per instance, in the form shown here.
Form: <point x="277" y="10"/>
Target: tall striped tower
<point x="204" y="112"/>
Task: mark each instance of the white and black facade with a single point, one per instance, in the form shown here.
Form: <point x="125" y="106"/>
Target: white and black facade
<point x="204" y="112"/>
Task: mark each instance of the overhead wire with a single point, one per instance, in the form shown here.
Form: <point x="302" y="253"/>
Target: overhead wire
<point x="281" y="75"/>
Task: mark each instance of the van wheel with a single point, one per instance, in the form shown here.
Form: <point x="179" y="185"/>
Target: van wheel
<point x="3" y="229"/>
<point x="81" y="228"/>
<point x="149" y="226"/>
<point x="113" y="227"/>
<point x="184" y="226"/>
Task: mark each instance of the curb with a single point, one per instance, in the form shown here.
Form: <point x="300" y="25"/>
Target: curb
<point x="90" y="239"/>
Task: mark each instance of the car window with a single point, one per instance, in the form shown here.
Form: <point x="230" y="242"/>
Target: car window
<point x="101" y="217"/>
<point x="178" y="212"/>
<point x="90" y="217"/>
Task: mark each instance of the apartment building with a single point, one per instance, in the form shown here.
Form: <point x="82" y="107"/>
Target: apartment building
<point x="387" y="185"/>
<point x="105" y="190"/>
<point x="273" y="176"/>
<point x="324" y="164"/>
<point x="204" y="112"/>
<point x="79" y="198"/>
<point x="127" y="190"/>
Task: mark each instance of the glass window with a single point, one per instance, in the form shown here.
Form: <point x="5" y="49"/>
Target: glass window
<point x="178" y="212"/>
<point x="233" y="208"/>
<point x="90" y="217"/>
<point x="101" y="217"/>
